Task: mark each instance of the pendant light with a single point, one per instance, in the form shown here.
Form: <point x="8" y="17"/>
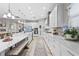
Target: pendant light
<point x="9" y="14"/>
<point x="13" y="17"/>
<point x="4" y="16"/>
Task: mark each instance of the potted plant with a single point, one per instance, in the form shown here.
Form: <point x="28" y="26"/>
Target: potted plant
<point x="71" y="34"/>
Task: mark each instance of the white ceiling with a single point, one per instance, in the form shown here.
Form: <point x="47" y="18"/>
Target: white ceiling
<point x="30" y="11"/>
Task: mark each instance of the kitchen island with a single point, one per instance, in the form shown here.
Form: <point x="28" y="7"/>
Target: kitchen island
<point x="16" y="38"/>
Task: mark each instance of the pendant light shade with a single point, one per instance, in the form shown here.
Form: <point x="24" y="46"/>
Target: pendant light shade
<point x="4" y="16"/>
<point x="13" y="17"/>
<point x="9" y="14"/>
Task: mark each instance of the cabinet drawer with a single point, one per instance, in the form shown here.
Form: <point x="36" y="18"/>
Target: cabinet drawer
<point x="65" y="52"/>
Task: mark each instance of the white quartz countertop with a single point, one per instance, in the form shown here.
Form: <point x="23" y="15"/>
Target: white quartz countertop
<point x="16" y="38"/>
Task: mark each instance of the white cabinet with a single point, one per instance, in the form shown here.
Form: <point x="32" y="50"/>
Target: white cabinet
<point x="65" y="52"/>
<point x="57" y="49"/>
<point x="59" y="16"/>
<point x="2" y="53"/>
<point x="58" y="46"/>
<point x="60" y="50"/>
<point x="54" y="46"/>
<point x="53" y="17"/>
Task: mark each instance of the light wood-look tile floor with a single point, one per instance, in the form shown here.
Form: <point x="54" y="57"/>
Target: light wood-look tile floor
<point x="37" y="48"/>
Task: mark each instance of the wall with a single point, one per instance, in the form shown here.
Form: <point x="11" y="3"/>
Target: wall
<point x="74" y="15"/>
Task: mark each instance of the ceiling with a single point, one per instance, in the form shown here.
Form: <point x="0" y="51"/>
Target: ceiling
<point x="27" y="11"/>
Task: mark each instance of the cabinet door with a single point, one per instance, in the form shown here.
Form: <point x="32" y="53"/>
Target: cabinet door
<point x="57" y="49"/>
<point x="2" y="54"/>
<point x="65" y="52"/>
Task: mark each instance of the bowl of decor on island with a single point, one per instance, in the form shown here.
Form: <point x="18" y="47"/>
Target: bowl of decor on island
<point x="71" y="34"/>
<point x="7" y="37"/>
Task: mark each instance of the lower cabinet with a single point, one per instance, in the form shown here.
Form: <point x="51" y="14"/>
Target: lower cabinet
<point x="57" y="49"/>
<point x="65" y="52"/>
<point x="60" y="50"/>
<point x="2" y="53"/>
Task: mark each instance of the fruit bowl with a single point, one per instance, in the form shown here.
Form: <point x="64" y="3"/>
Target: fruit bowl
<point x="6" y="39"/>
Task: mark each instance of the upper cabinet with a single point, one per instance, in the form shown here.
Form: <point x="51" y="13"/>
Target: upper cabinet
<point x="53" y="17"/>
<point x="62" y="14"/>
<point x="59" y="15"/>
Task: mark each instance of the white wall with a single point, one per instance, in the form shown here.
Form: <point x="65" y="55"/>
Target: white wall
<point x="33" y="24"/>
<point x="74" y="15"/>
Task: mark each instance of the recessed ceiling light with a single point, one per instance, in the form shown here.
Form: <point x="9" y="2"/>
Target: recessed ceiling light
<point x="29" y="7"/>
<point x="44" y="8"/>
